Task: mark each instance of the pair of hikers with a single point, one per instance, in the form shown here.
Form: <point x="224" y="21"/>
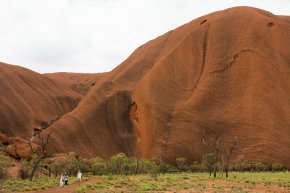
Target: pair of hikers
<point x="64" y="179"/>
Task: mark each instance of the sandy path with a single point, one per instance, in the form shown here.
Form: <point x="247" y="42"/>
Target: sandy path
<point x="66" y="189"/>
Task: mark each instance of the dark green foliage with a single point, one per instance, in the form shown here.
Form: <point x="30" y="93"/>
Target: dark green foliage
<point x="208" y="161"/>
<point x="163" y="167"/>
<point x="276" y="167"/>
<point x="250" y="166"/>
<point x="74" y="163"/>
<point x="99" y="166"/>
<point x="181" y="163"/>
<point x="196" y="167"/>
<point x="57" y="167"/>
<point x="120" y="164"/>
<point x="5" y="162"/>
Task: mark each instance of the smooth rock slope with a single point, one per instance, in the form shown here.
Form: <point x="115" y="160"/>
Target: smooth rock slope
<point x="30" y="100"/>
<point x="227" y="72"/>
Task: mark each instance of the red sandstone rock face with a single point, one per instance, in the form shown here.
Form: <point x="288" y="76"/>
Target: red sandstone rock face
<point x="20" y="148"/>
<point x="78" y="82"/>
<point x="3" y="139"/>
<point x="29" y="99"/>
<point x="227" y="72"/>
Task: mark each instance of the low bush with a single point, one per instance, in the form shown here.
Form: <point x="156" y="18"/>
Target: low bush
<point x="5" y="162"/>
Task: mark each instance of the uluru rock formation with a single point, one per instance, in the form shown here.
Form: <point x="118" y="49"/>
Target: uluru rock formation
<point x="29" y="100"/>
<point x="78" y="82"/>
<point x="226" y="72"/>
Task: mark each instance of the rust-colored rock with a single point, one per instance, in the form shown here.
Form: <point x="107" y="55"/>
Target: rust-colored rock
<point x="19" y="148"/>
<point x="78" y="82"/>
<point x="12" y="140"/>
<point x="3" y="139"/>
<point x="30" y="100"/>
<point x="227" y="71"/>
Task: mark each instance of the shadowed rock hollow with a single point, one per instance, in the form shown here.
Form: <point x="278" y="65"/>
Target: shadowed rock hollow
<point x="228" y="72"/>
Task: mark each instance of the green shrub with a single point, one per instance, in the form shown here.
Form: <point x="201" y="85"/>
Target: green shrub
<point x="163" y="167"/>
<point x="208" y="162"/>
<point x="276" y="167"/>
<point x="181" y="163"/>
<point x="196" y="167"/>
<point x="99" y="166"/>
<point x="5" y="162"/>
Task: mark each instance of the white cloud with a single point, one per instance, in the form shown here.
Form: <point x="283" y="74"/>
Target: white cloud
<point x="96" y="35"/>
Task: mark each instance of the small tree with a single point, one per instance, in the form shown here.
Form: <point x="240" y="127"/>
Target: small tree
<point x="74" y="163"/>
<point x="228" y="153"/>
<point x="43" y="139"/>
<point x="241" y="160"/>
<point x="214" y="143"/>
<point x="117" y="163"/>
<point x="181" y="163"/>
<point x="208" y="161"/>
<point x="99" y="166"/>
<point x="58" y="166"/>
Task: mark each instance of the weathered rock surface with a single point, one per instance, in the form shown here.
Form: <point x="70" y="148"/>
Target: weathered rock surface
<point x="30" y="100"/>
<point x="3" y="139"/>
<point x="78" y="82"/>
<point x="228" y="72"/>
<point x="20" y="148"/>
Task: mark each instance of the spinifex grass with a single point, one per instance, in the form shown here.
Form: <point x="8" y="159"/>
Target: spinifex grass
<point x="192" y="182"/>
<point x="38" y="183"/>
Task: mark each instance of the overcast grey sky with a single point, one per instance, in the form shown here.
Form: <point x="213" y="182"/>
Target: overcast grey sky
<point x="96" y="35"/>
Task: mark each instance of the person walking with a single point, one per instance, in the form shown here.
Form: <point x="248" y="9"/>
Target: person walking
<point x="79" y="176"/>
<point x="65" y="178"/>
<point x="61" y="180"/>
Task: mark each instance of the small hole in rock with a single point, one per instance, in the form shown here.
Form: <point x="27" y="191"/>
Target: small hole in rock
<point x="270" y="24"/>
<point x="203" y="22"/>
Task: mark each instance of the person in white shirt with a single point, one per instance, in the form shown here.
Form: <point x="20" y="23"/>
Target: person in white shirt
<point x="61" y="180"/>
<point x="79" y="176"/>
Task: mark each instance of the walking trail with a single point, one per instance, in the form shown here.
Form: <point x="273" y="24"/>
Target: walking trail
<point x="66" y="189"/>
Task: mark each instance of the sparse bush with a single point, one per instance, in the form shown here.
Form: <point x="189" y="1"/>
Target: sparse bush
<point x="163" y="167"/>
<point x="3" y="173"/>
<point x="23" y="173"/>
<point x="196" y="167"/>
<point x="181" y="163"/>
<point x="259" y="167"/>
<point x="99" y="166"/>
<point x="58" y="166"/>
<point x="276" y="167"/>
<point x="5" y="162"/>
<point x="117" y="164"/>
<point x="154" y="170"/>
<point x="208" y="161"/>
<point x="74" y="163"/>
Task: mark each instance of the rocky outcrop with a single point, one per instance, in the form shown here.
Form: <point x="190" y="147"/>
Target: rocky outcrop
<point x="20" y="148"/>
<point x="29" y="100"/>
<point x="227" y="72"/>
<point x="3" y="139"/>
